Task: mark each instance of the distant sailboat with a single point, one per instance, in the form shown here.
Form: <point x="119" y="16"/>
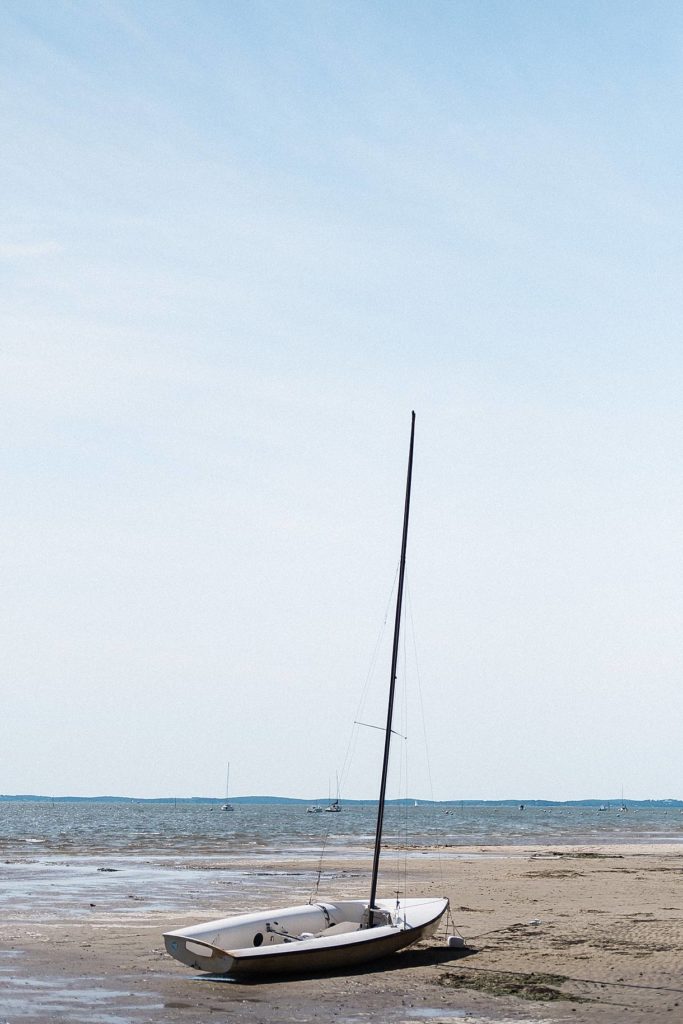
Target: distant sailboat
<point x="227" y="806"/>
<point x="334" y="805"/>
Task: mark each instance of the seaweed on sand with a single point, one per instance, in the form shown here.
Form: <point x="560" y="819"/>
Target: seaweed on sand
<point x="538" y="987"/>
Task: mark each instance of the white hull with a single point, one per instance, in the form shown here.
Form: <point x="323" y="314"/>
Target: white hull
<point x="312" y="937"/>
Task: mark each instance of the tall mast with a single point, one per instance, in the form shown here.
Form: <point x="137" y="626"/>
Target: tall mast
<point x="392" y="684"/>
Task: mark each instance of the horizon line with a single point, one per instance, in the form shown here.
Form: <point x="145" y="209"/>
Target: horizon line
<point x="268" y="798"/>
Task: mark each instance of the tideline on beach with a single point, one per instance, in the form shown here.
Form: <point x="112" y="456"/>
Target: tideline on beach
<point x="567" y="914"/>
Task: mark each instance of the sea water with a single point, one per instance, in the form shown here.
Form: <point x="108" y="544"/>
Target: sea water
<point x="196" y="830"/>
<point x="108" y="861"/>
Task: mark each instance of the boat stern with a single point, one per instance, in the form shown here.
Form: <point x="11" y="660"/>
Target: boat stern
<point x="199" y="955"/>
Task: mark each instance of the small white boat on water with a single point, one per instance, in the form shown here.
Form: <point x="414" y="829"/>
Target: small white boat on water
<point x="326" y="935"/>
<point x="227" y="806"/>
<point x="334" y="806"/>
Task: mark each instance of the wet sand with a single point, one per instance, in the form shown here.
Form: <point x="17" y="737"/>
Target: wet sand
<point x="566" y="933"/>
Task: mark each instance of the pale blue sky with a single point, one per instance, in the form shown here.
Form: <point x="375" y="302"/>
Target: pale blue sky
<point x="240" y="242"/>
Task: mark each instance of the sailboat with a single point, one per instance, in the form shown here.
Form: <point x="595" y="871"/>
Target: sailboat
<point x="327" y="935"/>
<point x="334" y="805"/>
<point x="227" y="806"/>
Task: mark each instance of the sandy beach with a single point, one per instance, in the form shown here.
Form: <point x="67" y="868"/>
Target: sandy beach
<point x="553" y="934"/>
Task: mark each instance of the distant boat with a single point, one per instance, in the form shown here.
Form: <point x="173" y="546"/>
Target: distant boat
<point x="335" y="806"/>
<point x="326" y="935"/>
<point x="314" y="809"/>
<point x="227" y="806"/>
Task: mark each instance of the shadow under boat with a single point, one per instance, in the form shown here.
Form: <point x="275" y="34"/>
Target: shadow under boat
<point x="404" y="960"/>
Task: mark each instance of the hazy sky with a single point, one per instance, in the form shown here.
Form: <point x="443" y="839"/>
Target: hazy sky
<point x="240" y="241"/>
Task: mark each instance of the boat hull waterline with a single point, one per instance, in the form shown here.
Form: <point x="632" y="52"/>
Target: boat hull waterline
<point x="311" y="937"/>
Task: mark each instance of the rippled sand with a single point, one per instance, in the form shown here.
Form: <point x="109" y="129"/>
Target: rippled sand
<point x="560" y="933"/>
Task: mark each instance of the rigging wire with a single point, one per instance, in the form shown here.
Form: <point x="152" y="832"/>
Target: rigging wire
<point x="409" y="613"/>
<point x="402" y="847"/>
<point x="314" y="895"/>
<point x="353" y="737"/>
<point x="401" y="861"/>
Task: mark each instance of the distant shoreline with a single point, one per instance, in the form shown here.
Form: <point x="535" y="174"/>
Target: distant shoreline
<point x="607" y="804"/>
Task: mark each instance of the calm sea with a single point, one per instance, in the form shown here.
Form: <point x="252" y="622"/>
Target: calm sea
<point x="109" y="861"/>
<point x="282" y="830"/>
